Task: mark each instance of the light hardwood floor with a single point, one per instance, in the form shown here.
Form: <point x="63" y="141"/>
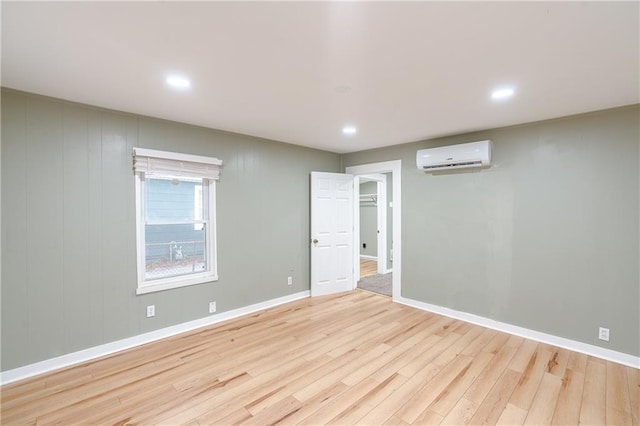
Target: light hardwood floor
<point x="368" y="267"/>
<point x="352" y="358"/>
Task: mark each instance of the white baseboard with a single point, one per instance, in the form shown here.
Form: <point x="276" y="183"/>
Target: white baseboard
<point x="130" y="342"/>
<point x="585" y="348"/>
<point x="364" y="256"/>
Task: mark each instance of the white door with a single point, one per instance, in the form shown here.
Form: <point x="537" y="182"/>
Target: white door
<point x="331" y="233"/>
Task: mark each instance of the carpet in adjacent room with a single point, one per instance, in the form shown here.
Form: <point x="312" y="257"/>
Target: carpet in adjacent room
<point x="380" y="283"/>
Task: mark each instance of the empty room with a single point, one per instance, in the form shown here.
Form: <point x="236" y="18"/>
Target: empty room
<point x="320" y="213"/>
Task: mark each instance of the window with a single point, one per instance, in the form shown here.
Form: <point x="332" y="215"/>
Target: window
<point x="175" y="219"/>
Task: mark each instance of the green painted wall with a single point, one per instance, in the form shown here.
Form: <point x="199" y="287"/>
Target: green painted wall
<point x="547" y="238"/>
<point x="68" y="225"/>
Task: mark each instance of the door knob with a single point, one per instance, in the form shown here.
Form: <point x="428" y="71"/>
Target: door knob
<point x="315" y="241"/>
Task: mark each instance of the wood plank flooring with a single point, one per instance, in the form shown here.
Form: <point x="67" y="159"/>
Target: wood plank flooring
<point x="352" y="358"/>
<point x="368" y="267"/>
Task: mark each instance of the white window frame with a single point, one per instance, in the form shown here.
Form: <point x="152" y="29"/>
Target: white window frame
<point x="197" y="205"/>
<point x="150" y="286"/>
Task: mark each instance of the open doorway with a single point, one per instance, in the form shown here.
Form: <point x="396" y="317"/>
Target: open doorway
<point x="386" y="178"/>
<point x="376" y="237"/>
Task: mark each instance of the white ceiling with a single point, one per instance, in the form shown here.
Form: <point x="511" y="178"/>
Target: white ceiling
<point x="298" y="72"/>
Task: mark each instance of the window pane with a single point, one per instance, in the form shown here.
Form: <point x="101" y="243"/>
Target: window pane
<point x="175" y="249"/>
<point x="173" y="200"/>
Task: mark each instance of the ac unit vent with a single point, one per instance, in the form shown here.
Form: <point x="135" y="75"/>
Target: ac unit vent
<point x="454" y="165"/>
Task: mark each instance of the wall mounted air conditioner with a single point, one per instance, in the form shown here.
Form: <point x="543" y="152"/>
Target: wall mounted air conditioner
<point x="465" y="155"/>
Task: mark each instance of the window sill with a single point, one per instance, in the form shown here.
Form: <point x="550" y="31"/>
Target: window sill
<point x="170" y="283"/>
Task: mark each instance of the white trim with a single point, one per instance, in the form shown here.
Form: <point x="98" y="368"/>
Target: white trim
<point x="140" y="236"/>
<point x="574" y="345"/>
<point x="395" y="167"/>
<point x="381" y="218"/>
<point x="141" y="339"/>
<point x="144" y="152"/>
<point x="366" y="256"/>
<point x="176" y="282"/>
<point x="356" y="231"/>
<point x="212" y="228"/>
<point x="378" y="177"/>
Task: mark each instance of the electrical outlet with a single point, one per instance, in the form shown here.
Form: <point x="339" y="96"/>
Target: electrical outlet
<point x="151" y="311"/>
<point x="212" y="307"/>
<point x="289" y="280"/>
<point x="603" y="334"/>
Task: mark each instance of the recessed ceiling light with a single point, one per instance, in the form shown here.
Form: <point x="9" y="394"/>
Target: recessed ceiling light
<point x="349" y="130"/>
<point x="178" y="82"/>
<point x="503" y="93"/>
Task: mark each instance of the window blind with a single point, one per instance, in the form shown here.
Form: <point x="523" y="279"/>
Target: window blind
<point x="164" y="163"/>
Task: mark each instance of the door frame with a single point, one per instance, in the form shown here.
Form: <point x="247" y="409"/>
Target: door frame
<point x="395" y="168"/>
